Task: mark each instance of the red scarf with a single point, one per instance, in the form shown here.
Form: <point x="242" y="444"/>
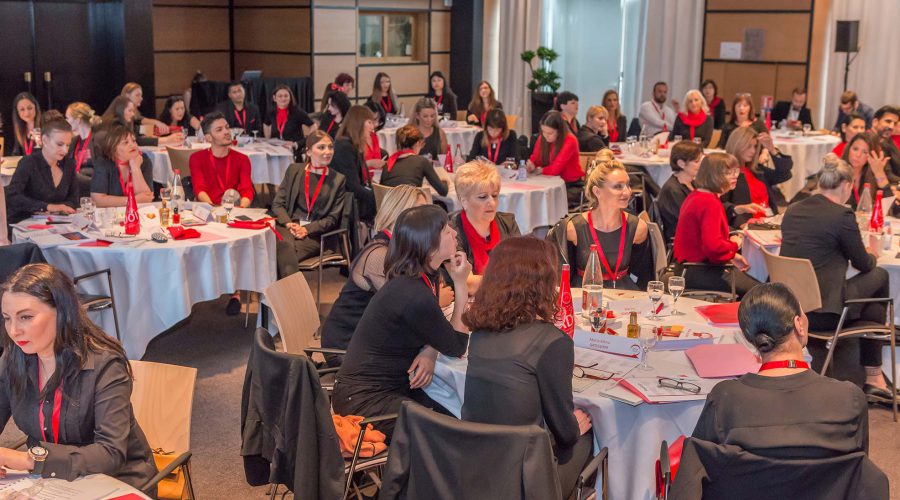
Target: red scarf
<point x="281" y="117"/>
<point x="611" y="124"/>
<point x="758" y="192"/>
<point x="387" y="105"/>
<point x="712" y="105"/>
<point x="57" y="406"/>
<point x="82" y="152"/>
<point x="480" y="247"/>
<point x="693" y="120"/>
<point x="396" y="156"/>
<point x="896" y="139"/>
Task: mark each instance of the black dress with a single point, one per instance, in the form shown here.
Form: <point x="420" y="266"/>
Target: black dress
<point x="671" y="197"/>
<point x="106" y="176"/>
<point x="704" y="131"/>
<point x="349" y="161"/>
<point x="382" y="108"/>
<point x="729" y="127"/>
<point x="328" y="125"/>
<point x="411" y="170"/>
<point x="506" y="224"/>
<point x="718" y="114"/>
<point x="771" y="177"/>
<point x="31" y="188"/>
<point x="446" y="103"/>
<point x="509" y="148"/>
<point x="402" y="318"/>
<point x="635" y="256"/>
<point x="293" y="130"/>
<point x="433" y="144"/>
<point x="590" y="141"/>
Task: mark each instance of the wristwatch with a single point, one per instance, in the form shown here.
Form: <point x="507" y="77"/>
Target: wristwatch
<point x="39" y="455"/>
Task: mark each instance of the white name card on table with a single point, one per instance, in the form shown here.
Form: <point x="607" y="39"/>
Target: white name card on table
<point x="613" y="344"/>
<point x="202" y="211"/>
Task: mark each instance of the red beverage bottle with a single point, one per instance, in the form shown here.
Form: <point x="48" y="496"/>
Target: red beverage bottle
<point x="132" y="217"/>
<point x="876" y="223"/>
<point x="565" y="319"/>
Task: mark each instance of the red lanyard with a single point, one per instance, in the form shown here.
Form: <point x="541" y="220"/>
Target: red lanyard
<point x="280" y="122"/>
<point x="483" y="117"/>
<point x="242" y="121"/>
<point x="81" y="152"/>
<point x="212" y="160"/>
<point x="388" y="106"/>
<point x="122" y="181"/>
<point x="788" y="363"/>
<point x="496" y="155"/>
<point x="328" y="131"/>
<point x="613" y="276"/>
<point x="29" y="146"/>
<point x="662" y="114"/>
<point x="315" y="196"/>
<point x="57" y="405"/>
<point x="430" y="284"/>
<point x="439" y="99"/>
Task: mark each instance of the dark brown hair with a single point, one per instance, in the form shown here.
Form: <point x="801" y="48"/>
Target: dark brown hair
<point x="111" y="137"/>
<point x="518" y="286"/>
<point x="116" y="110"/>
<point x="869" y="138"/>
<point x="20" y="128"/>
<point x="417" y="235"/>
<point x="686" y="151"/>
<point x="56" y="125"/>
<point x="495" y="118"/>
<point x="751" y="115"/>
<point x="408" y="136"/>
<point x="376" y="91"/>
<point x="315" y="137"/>
<point x="554" y="120"/>
<point x="712" y="175"/>
<point x="353" y="126"/>
<point x="289" y="91"/>
<point x="476" y="105"/>
<point x="76" y="335"/>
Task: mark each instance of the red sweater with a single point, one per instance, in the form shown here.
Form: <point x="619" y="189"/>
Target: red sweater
<point x="564" y="164"/>
<point x="839" y="149"/>
<point x="702" y="232"/>
<point x="214" y="180"/>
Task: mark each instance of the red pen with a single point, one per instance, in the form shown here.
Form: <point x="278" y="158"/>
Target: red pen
<point x="660" y="308"/>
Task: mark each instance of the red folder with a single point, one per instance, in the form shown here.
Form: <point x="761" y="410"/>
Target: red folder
<point x="720" y="314"/>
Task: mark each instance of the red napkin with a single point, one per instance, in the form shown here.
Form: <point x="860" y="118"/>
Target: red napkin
<point x="255" y="224"/>
<point x="180" y="233"/>
<point x="128" y="496"/>
<point x="39" y="226"/>
<point x="96" y="243"/>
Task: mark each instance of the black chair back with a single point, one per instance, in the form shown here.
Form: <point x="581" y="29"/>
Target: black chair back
<point x="13" y="257"/>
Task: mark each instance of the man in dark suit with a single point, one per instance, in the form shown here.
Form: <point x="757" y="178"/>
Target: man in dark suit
<point x="883" y="123"/>
<point x="850" y="103"/>
<point x="795" y="112"/>
<point x="238" y="112"/>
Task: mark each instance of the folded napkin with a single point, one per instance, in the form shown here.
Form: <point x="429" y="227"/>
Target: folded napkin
<point x="180" y="233"/>
<point x="255" y="224"/>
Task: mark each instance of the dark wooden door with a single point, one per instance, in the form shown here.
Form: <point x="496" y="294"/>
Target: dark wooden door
<point x="16" y="56"/>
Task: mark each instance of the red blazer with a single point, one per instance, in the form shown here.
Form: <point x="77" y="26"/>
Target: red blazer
<point x="702" y="232"/>
<point x="214" y="180"/>
<point x="565" y="163"/>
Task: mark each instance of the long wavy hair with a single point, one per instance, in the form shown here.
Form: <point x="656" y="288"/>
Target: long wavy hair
<point x="416" y="236"/>
<point x="76" y="334"/>
<point x="20" y="128"/>
<point x="353" y="126"/>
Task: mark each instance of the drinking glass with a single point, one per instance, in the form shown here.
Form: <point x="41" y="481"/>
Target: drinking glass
<point x="87" y="207"/>
<point x="655" y="289"/>
<point x="677" y="138"/>
<point x="806" y="128"/>
<point x="255" y="135"/>
<point x="228" y="201"/>
<point x="165" y="194"/>
<point x="676" y="288"/>
<point x="697" y="140"/>
<point x="647" y="339"/>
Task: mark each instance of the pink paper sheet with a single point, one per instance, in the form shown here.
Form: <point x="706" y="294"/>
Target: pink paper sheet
<point x="722" y="360"/>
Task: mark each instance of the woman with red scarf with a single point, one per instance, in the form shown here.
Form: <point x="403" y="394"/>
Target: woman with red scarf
<point x="407" y="166"/>
<point x="479" y="226"/>
<point x="383" y="100"/>
<point x="286" y="121"/>
<point x="762" y="168"/>
<point x="118" y="159"/>
<point x="694" y="121"/>
<point x="617" y="123"/>
<point x="716" y="104"/>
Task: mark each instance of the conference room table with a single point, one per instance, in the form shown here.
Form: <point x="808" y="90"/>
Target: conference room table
<point x="156" y="284"/>
<point x="458" y="133"/>
<point x="20" y="484"/>
<point x="268" y="160"/>
<point x="631" y="430"/>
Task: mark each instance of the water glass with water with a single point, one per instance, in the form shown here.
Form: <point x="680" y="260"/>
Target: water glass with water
<point x="87" y="207"/>
<point x="647" y="339"/>
<point x="655" y="289"/>
<point x="676" y="288"/>
<point x="806" y="128"/>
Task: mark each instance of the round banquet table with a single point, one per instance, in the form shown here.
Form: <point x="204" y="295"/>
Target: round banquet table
<point x="268" y="162"/>
<point x="156" y="284"/>
<point x="807" y="153"/>
<point x="461" y="133"/>
<point x="536" y="202"/>
<point x="655" y="165"/>
<point x="632" y="433"/>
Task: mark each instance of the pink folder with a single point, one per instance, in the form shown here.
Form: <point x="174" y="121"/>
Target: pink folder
<point x="722" y="360"/>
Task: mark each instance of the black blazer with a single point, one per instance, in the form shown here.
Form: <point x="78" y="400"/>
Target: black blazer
<point x="892" y="171"/>
<point x="470" y="111"/>
<point x="671" y="197"/>
<point x="509" y="148"/>
<point x="31" y="188"/>
<point x="782" y="108"/>
<point x="249" y="116"/>
<point x="328" y="125"/>
<point x="718" y="113"/>
<point x="350" y="163"/>
<point x="590" y="141"/>
<point x="704" y="131"/>
<point x="729" y="127"/>
<point x="771" y="177"/>
<point x="506" y="224"/>
<point x="106" y="176"/>
<point x="828" y="235"/>
<point x="97" y="429"/>
<point x="622" y="128"/>
<point x="289" y="204"/>
<point x="293" y="130"/>
<point x="412" y="170"/>
<point x="447" y="104"/>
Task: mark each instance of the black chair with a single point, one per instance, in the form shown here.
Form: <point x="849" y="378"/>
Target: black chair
<point x="663" y="473"/>
<point x="99" y="302"/>
<point x="327" y="256"/>
<point x="708" y="295"/>
<point x="634" y="128"/>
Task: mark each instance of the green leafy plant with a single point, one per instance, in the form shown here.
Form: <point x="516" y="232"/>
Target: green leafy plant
<point x="543" y="79"/>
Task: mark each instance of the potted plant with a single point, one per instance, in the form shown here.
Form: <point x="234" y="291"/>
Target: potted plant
<point x="544" y="82"/>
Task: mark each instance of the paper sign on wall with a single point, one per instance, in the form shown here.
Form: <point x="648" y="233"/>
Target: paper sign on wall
<point x="730" y="50"/>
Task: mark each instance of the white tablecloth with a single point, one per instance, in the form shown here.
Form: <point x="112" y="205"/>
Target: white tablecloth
<point x="461" y="134"/>
<point x="157" y="284"/>
<point x="807" y="153"/>
<point x="657" y="166"/>
<point x="268" y="162"/>
<point x="632" y="433"/>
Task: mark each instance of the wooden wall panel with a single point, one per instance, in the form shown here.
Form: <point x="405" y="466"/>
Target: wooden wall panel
<point x="267" y="3"/>
<point x="406" y="79"/>
<point x="789" y="76"/>
<point x="174" y="71"/>
<point x="394" y="4"/>
<point x="409" y="103"/>
<point x="272" y="65"/>
<point x="326" y="67"/>
<point x="735" y="78"/>
<point x="758" y="5"/>
<point x="438" y="5"/>
<point x="334" y="30"/>
<point x="220" y="3"/>
<point x="786" y="35"/>
<point x="441" y="62"/>
<point x="440" y="31"/>
<point x="335" y="3"/>
<point x="178" y="28"/>
<point x="284" y="30"/>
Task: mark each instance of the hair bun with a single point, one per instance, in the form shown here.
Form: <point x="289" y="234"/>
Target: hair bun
<point x="764" y="342"/>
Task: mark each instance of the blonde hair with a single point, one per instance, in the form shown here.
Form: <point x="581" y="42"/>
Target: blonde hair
<point x="423" y="103"/>
<point x="397" y="200"/>
<point x="694" y="92"/>
<point x="473" y="175"/>
<point x="740" y="139"/>
<point x="129" y="88"/>
<point x="82" y="112"/>
<point x="597" y="110"/>
<point x="600" y="172"/>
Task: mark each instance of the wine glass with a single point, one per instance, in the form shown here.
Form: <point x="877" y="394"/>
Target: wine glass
<point x="255" y="135"/>
<point x="676" y="288"/>
<point x="677" y="138"/>
<point x="228" y="200"/>
<point x="655" y="289"/>
<point x="806" y="128"/>
<point x="647" y="339"/>
<point x="87" y="207"/>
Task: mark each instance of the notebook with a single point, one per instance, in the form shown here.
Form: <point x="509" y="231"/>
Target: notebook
<point x="722" y="360"/>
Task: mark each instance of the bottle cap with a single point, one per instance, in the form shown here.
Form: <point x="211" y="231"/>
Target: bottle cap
<point x="866" y="185"/>
<point x="594" y="248"/>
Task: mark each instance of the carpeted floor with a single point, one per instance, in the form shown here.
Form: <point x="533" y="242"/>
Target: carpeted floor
<point x="218" y="346"/>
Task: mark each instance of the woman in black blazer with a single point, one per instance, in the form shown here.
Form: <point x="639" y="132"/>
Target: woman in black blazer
<point x="383" y="101"/>
<point x="496" y="142"/>
<point x="285" y="120"/>
<point x="349" y="158"/>
<point x="756" y="184"/>
<point x="742" y="115"/>
<point x="716" y="105"/>
<point x="824" y="230"/>
<point x="594" y="134"/>
<point x="406" y="166"/>
<point x="482" y="102"/>
<point x="869" y="164"/>
<point x="617" y="123"/>
<point x="338" y="106"/>
<point x="308" y="204"/>
<point x="695" y="122"/>
<point x="118" y="158"/>
<point x="443" y="96"/>
<point x="52" y="353"/>
<point x="44" y="181"/>
<point x="122" y="110"/>
<point x="175" y="114"/>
